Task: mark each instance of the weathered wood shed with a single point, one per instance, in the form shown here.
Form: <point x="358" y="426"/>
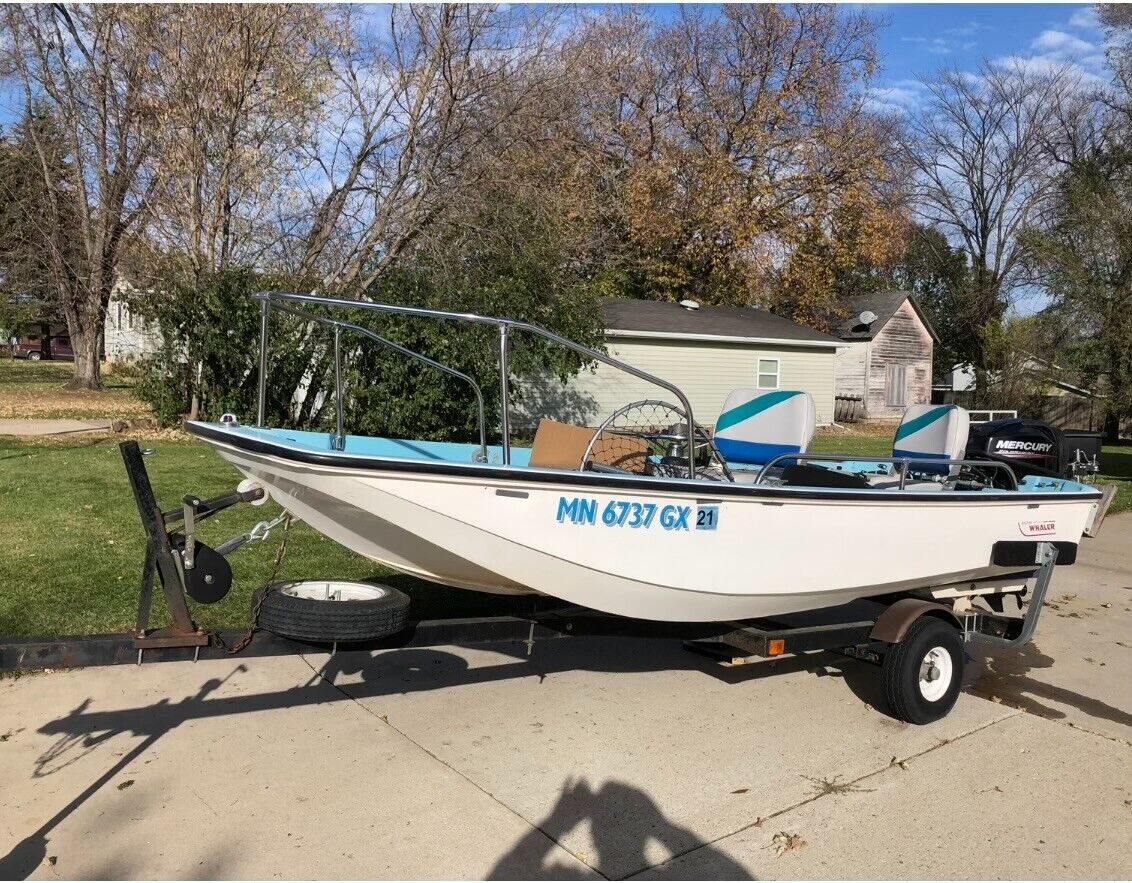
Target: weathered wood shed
<point x="887" y="360"/>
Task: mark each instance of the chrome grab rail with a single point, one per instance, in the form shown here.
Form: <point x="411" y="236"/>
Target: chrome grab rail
<point x="338" y="325"/>
<point x="903" y="462"/>
<point x="505" y="326"/>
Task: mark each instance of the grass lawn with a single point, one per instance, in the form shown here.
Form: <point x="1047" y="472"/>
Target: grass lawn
<point x="1116" y="463"/>
<point x="71" y="543"/>
<point x="35" y="390"/>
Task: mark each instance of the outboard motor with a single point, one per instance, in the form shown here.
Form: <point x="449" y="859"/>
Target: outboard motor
<point x="1033" y="447"/>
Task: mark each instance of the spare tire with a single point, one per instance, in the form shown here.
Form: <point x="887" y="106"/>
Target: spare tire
<point x="331" y="610"/>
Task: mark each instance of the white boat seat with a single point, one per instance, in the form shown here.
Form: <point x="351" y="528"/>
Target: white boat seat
<point x="756" y="426"/>
<point x="932" y="432"/>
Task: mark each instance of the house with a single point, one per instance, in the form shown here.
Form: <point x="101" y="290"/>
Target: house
<point x="961" y="378"/>
<point x="126" y="336"/>
<point x="705" y="351"/>
<point x="887" y="357"/>
<point x="1042" y="376"/>
<point x="1031" y="387"/>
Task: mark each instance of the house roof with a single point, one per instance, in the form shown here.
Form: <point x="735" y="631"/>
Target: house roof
<point x="884" y="304"/>
<point x="627" y="317"/>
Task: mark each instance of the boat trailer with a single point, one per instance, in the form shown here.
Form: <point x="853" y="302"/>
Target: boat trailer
<point x="867" y="629"/>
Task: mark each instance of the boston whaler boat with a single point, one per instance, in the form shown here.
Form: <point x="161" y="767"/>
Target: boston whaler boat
<point x="652" y="517"/>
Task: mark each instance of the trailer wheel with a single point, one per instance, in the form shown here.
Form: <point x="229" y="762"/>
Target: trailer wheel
<point x="923" y="674"/>
<point x="327" y="611"/>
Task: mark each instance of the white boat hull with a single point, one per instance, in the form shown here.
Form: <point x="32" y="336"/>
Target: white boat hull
<point x="762" y="555"/>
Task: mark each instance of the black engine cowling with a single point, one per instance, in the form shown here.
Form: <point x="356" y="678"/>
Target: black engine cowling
<point x="1025" y="441"/>
<point x="1033" y="447"/>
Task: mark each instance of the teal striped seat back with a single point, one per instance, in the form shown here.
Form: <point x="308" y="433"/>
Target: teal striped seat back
<point x="756" y="426"/>
<point x="932" y="432"/>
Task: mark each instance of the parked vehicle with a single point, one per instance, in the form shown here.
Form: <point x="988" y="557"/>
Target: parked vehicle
<point x="651" y="517"/>
<point x="32" y="348"/>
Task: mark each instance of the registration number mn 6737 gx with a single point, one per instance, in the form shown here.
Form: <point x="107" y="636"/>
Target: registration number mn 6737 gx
<point x="633" y="514"/>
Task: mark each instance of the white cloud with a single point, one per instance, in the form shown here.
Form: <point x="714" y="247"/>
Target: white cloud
<point x="1062" y="43"/>
<point x="947" y="45"/>
<point x="1055" y="49"/>
<point x="898" y="99"/>
<point x="1049" y="64"/>
<point x="968" y="30"/>
<point x="1085" y="19"/>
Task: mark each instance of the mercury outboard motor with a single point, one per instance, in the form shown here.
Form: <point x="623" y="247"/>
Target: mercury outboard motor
<point x="1033" y="447"/>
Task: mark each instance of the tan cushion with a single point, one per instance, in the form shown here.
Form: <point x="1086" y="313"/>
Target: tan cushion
<point x="562" y="445"/>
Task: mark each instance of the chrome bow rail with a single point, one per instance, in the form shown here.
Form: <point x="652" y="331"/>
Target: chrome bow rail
<point x="269" y="298"/>
<point x="338" y="325"/>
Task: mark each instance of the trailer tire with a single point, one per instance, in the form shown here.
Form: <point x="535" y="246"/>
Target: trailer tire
<point x="923" y="674"/>
<point x="311" y="611"/>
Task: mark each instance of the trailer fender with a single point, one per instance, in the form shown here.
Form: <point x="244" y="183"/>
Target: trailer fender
<point x="894" y="623"/>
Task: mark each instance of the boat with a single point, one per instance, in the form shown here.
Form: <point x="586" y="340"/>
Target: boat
<point x="651" y="516"/>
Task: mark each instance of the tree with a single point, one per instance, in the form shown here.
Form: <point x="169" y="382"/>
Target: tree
<point x="1081" y="250"/>
<point x="981" y="147"/>
<point x="515" y="264"/>
<point x="27" y="267"/>
<point x="732" y="153"/>
<point x="239" y="87"/>
<point x="408" y="114"/>
<point x="92" y="69"/>
<point x="936" y="272"/>
<point x="1084" y="257"/>
<point x="1116" y="19"/>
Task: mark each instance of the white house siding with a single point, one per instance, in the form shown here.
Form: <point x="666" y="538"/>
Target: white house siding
<point x="850" y="368"/>
<point x="126" y="336"/>
<point x="705" y="371"/>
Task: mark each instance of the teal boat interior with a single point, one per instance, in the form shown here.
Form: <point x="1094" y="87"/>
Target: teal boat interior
<point x="355" y="447"/>
<point x="761" y="437"/>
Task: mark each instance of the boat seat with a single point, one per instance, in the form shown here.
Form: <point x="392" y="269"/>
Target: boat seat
<point x="932" y="432"/>
<point x="755" y="426"/>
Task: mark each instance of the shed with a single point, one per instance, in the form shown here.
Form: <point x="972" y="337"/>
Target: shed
<point x="887" y="357"/>
<point x="707" y="352"/>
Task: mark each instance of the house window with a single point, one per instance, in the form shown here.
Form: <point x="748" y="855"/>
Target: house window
<point x="895" y="387"/>
<point x="768" y="373"/>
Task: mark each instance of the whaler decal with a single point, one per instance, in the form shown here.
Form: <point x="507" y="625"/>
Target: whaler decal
<point x="631" y="514"/>
<point x="1037" y="528"/>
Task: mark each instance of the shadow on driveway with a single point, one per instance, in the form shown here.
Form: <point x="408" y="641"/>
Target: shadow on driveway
<point x="622" y="819"/>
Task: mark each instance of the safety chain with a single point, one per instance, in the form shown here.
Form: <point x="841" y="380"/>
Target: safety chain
<point x="246" y="638"/>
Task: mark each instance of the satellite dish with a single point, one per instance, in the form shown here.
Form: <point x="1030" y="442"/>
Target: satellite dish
<point x="867" y="317"/>
<point x="689" y="304"/>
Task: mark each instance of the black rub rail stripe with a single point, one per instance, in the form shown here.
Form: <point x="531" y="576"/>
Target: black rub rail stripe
<point x="597" y="479"/>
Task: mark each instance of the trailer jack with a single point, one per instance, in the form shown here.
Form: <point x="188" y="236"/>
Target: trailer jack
<point x="184" y="565"/>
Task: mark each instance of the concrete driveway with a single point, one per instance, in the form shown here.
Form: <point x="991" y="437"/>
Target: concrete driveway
<point x="590" y="758"/>
<point x="36" y="426"/>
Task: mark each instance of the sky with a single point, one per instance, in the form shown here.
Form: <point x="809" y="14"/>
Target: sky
<point x="919" y="39"/>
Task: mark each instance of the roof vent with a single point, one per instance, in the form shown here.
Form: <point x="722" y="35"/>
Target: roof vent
<point x="689" y="304"/>
<point x="867" y="317"/>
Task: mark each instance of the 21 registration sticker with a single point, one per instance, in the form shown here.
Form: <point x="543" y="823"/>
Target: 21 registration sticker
<point x="634" y="515"/>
